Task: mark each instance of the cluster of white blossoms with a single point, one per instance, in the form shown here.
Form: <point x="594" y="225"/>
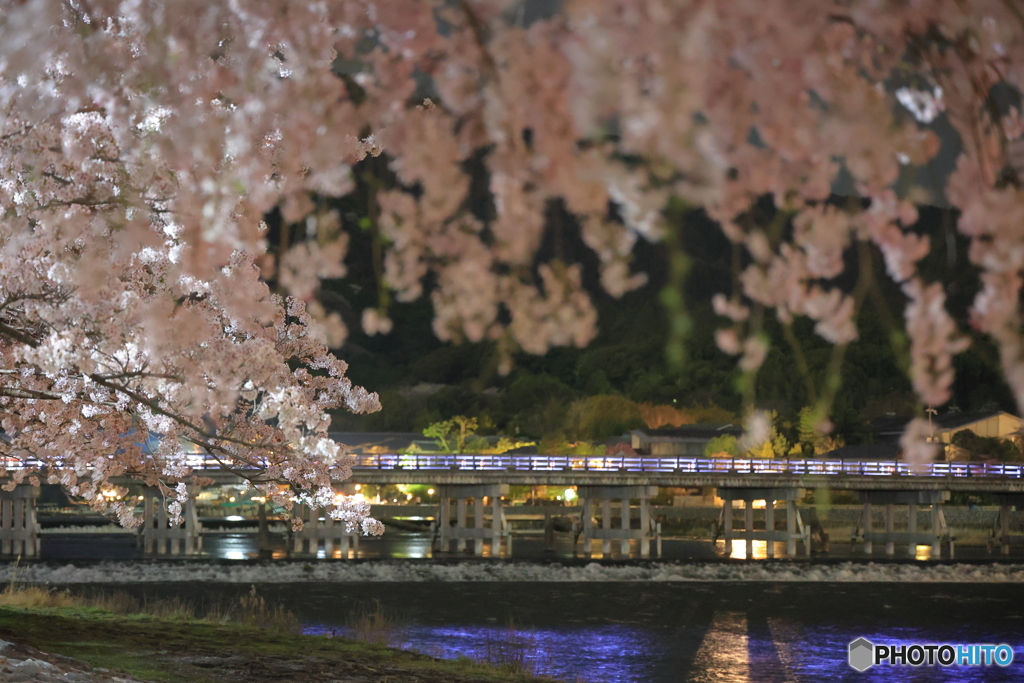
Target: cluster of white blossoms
<point x="142" y="144"/>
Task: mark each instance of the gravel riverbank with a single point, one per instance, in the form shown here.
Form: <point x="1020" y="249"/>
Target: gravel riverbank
<point x="170" y="571"/>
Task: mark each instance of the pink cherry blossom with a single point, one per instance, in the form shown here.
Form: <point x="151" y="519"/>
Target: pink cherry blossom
<point x="142" y="144"/>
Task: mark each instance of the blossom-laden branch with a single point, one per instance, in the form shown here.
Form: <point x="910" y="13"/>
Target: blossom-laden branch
<point x="85" y="399"/>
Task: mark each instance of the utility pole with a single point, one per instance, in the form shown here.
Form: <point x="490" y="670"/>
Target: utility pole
<point x="931" y="427"/>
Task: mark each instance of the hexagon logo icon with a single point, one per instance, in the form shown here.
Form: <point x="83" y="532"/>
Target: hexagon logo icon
<point x="862" y="654"/>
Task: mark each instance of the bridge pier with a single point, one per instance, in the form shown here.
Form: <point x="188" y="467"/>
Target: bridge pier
<point x="911" y="537"/>
<point x="795" y="529"/>
<point x="328" y="530"/>
<point x="623" y="494"/>
<point x="1001" y="525"/>
<point x="479" y="534"/>
<point x="158" y="536"/>
<point x="19" y="529"/>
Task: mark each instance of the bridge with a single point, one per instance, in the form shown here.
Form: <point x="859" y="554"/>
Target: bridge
<point x="541" y="470"/>
<point x="612" y="482"/>
<point x="746" y="480"/>
<point x="684" y="472"/>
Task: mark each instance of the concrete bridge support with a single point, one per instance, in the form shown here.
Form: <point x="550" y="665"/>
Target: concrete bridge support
<point x="911" y="537"/>
<point x="319" y="527"/>
<point x="479" y="533"/>
<point x="19" y="529"/>
<point x="606" y="494"/>
<point x="158" y="537"/>
<point x="795" y="530"/>
<point x="1001" y="526"/>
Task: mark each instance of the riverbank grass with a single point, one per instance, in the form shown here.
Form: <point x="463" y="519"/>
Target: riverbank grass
<point x="225" y="646"/>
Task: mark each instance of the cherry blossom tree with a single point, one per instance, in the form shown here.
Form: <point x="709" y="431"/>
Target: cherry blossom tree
<point x="142" y="143"/>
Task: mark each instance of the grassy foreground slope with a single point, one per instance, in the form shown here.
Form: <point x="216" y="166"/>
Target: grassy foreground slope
<point x="156" y="649"/>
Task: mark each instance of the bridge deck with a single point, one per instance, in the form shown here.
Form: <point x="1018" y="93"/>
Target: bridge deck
<point x="540" y="470"/>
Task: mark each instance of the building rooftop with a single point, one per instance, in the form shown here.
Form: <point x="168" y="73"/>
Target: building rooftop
<point x="894" y="426"/>
<point x="705" y="431"/>
<point x="378" y="442"/>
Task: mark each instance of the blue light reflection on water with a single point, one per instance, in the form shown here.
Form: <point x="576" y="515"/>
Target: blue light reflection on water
<point x="733" y="650"/>
<point x="618" y="654"/>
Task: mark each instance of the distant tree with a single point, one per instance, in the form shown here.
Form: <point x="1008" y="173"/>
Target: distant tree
<point x="451" y="435"/>
<point x="722" y="446"/>
<point x="709" y="413"/>
<point x="987" y="447"/>
<point x="602" y="416"/>
<point x="449" y="401"/>
<point x="458" y="435"/>
<point x="557" y="444"/>
<point x="813" y="441"/>
<point x="554" y="443"/>
<point x="399" y="414"/>
<point x="890" y="404"/>
<point x="503" y="445"/>
<point x="772" y="444"/>
<point x="587" y="448"/>
<point x="535" y="404"/>
<point x="664" y="415"/>
<point x="449" y="364"/>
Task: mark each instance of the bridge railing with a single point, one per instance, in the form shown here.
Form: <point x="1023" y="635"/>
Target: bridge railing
<point x="641" y="464"/>
<point x="653" y="464"/>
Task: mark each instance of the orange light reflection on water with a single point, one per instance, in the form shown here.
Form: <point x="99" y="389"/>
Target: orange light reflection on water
<point x="726" y="649"/>
<point x="760" y="549"/>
